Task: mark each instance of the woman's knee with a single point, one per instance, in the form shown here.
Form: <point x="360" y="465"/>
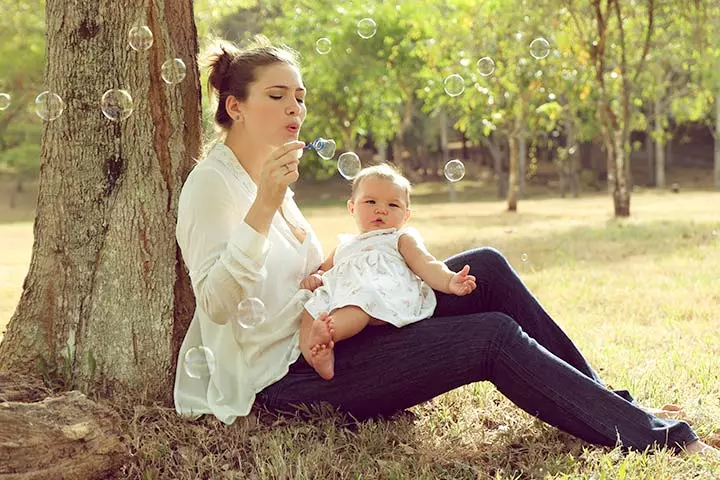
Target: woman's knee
<point x="500" y="324"/>
<point x="482" y="259"/>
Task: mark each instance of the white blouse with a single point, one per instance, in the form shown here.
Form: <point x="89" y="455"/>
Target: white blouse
<point x="228" y="261"/>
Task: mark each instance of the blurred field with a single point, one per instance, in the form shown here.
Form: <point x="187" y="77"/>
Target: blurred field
<point x="641" y="297"/>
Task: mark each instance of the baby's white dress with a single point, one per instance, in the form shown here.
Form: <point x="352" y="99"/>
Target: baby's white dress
<point x="369" y="272"/>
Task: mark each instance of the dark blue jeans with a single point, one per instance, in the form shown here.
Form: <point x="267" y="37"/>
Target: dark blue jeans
<point x="499" y="333"/>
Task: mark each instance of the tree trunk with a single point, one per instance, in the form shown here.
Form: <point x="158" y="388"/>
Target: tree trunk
<point x="522" y="163"/>
<point x="382" y="152"/>
<point x="618" y="178"/>
<point x="659" y="149"/>
<point x="717" y="142"/>
<point x="452" y="194"/>
<point x="512" y="193"/>
<point x="107" y="301"/>
<point x="650" y="157"/>
<point x="497" y="156"/>
<point x="573" y="160"/>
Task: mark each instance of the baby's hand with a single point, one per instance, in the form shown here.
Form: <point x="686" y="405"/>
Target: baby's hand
<point x="312" y="282"/>
<point x="461" y="283"/>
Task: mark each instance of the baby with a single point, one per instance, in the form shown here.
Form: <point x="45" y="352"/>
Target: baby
<point x="383" y="275"/>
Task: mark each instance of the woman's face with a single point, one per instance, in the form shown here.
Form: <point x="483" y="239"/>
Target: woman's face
<point x="275" y="108"/>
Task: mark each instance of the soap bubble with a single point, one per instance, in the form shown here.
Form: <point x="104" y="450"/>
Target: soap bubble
<point x="485" y="66"/>
<point x="325" y="148"/>
<point x="117" y="105"/>
<point x="323" y="46"/>
<point x="539" y="48"/>
<point x="366" y="28"/>
<point x="349" y="165"/>
<point x="140" y="38"/>
<point x="173" y="71"/>
<point x="454" y="85"/>
<point x="454" y="170"/>
<point x="49" y="106"/>
<point x="199" y="362"/>
<point x="4" y="101"/>
<point x="250" y="313"/>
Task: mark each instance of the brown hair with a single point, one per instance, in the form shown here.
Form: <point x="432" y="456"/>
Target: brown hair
<point x="232" y="70"/>
<point x="383" y="171"/>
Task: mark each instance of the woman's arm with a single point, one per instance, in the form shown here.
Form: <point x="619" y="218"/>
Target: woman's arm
<point x="432" y="271"/>
<point x="225" y="255"/>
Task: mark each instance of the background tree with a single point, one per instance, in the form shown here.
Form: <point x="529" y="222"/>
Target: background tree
<point x="22" y="55"/>
<point x="107" y="300"/>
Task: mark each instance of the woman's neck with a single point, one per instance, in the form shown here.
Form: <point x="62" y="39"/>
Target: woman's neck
<point x="246" y="155"/>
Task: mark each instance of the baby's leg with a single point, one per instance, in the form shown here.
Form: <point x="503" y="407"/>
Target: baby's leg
<point x="341" y="324"/>
<point x="348" y="321"/>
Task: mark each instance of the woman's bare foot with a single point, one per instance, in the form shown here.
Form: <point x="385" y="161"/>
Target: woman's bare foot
<point x="701" y="448"/>
<point x="668" y="412"/>
<point x="322" y="356"/>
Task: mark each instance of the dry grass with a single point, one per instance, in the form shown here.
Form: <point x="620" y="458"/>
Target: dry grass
<point x="639" y="296"/>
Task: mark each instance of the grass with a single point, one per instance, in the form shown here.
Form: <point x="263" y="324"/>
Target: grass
<point x="639" y="296"/>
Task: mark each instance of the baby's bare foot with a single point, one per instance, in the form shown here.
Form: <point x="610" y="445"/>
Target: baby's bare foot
<point x="323" y="360"/>
<point x="320" y="333"/>
<point x="322" y="356"/>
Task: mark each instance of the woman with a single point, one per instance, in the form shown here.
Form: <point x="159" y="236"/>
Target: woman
<point x="242" y="236"/>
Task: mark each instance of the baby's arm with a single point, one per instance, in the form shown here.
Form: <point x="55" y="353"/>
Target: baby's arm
<point x="432" y="271"/>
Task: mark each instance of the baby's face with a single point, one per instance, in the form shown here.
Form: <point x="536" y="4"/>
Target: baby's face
<point x="379" y="204"/>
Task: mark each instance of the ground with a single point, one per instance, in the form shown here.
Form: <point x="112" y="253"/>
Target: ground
<point x="639" y="296"/>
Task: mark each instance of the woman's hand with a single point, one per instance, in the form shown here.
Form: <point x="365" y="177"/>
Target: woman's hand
<point x="279" y="171"/>
<point x="312" y="282"/>
<point x="461" y="283"/>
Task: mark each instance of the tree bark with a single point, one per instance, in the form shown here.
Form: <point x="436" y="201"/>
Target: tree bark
<point x="618" y="175"/>
<point x="717" y="142"/>
<point x="107" y="301"/>
<point x="68" y="436"/>
<point x="650" y="157"/>
<point x="522" y="164"/>
<point x="452" y="194"/>
<point x="512" y="193"/>
<point x="659" y="148"/>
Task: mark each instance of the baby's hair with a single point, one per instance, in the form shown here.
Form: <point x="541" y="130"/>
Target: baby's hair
<point x="232" y="70"/>
<point x="382" y="171"/>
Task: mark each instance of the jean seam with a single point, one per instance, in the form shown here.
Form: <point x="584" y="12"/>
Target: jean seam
<point x="557" y="394"/>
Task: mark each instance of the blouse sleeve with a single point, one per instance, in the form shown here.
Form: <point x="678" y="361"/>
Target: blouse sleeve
<point x="225" y="256"/>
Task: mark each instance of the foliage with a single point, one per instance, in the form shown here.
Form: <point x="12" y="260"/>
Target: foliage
<point x="22" y="57"/>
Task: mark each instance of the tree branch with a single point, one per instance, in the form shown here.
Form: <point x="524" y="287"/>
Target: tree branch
<point x="648" y="34"/>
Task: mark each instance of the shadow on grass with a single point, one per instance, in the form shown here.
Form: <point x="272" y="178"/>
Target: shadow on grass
<point x="616" y="242"/>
